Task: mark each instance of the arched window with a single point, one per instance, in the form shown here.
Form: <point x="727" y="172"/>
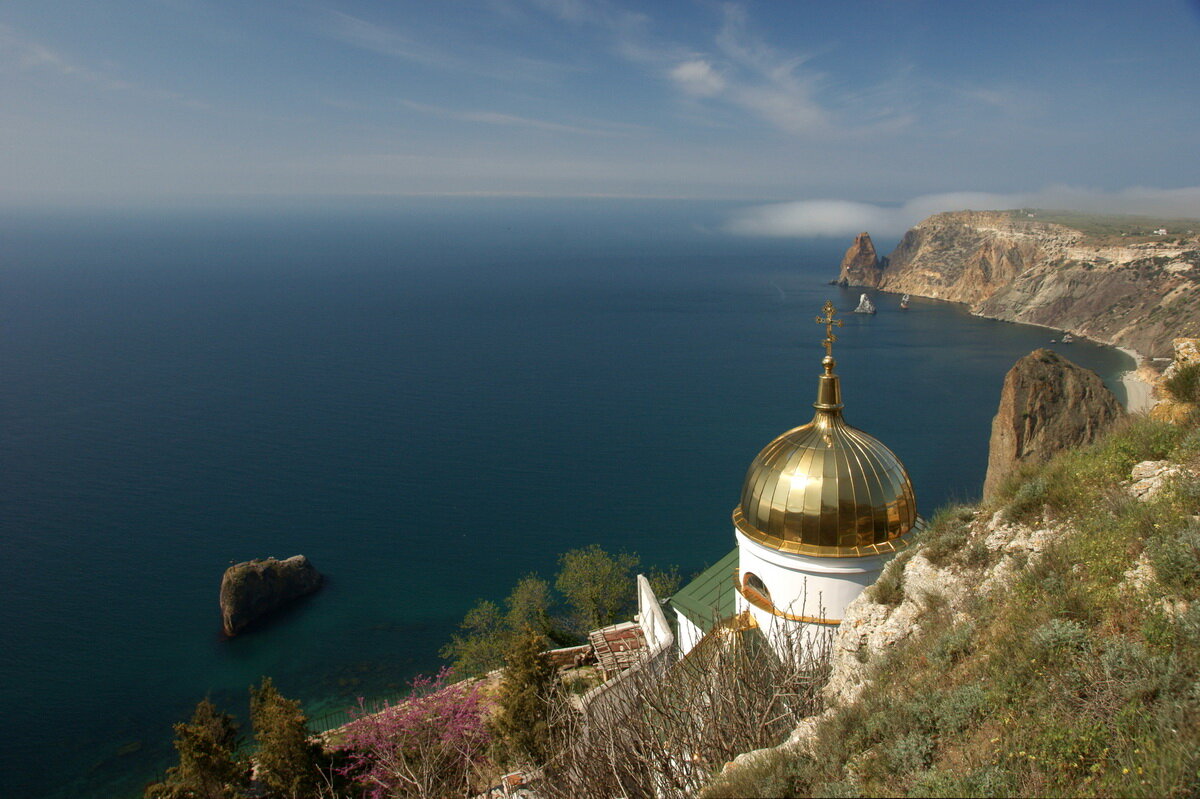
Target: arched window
<point x="754" y="583"/>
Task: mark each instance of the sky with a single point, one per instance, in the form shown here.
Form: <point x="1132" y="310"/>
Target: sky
<point x="813" y="113"/>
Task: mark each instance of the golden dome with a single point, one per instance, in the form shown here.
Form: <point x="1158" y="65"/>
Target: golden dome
<point x="827" y="489"/>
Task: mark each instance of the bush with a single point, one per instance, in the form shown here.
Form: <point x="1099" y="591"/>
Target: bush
<point x="889" y="588"/>
<point x="911" y="752"/>
<point x="947" y="533"/>
<point x="953" y="645"/>
<point x="1060" y="635"/>
<point x="1176" y="559"/>
<point x="431" y="744"/>
<point x="1184" y="385"/>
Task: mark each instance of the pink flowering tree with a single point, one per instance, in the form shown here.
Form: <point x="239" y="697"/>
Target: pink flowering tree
<point x="428" y="745"/>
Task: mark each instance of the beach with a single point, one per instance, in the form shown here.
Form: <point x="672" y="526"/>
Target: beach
<point x="1139" y="393"/>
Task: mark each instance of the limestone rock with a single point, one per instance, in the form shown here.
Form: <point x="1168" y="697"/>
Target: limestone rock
<point x="1047" y="405"/>
<point x="1150" y="477"/>
<point x="860" y="265"/>
<point x="1169" y="408"/>
<point x="1007" y="265"/>
<point x="256" y="588"/>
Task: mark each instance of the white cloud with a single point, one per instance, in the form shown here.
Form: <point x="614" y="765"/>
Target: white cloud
<point x="698" y="78"/>
<point x="840" y="218"/>
<point x="513" y="120"/>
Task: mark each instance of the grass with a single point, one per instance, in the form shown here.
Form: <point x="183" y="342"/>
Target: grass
<point x="1110" y="227"/>
<point x="1070" y="682"/>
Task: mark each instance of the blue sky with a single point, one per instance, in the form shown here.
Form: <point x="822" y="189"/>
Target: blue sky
<point x="165" y="100"/>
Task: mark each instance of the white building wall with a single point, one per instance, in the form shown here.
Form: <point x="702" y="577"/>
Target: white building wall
<point x="801" y="585"/>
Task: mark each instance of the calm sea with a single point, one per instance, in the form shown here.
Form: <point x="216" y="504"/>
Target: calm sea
<point x="429" y="400"/>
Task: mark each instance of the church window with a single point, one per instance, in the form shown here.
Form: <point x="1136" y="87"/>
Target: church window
<point x="754" y="583"/>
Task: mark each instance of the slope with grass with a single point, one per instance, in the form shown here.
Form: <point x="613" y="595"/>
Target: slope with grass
<point x="1046" y="643"/>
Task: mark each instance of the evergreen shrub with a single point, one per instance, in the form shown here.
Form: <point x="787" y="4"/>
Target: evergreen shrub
<point x="1184" y="385"/>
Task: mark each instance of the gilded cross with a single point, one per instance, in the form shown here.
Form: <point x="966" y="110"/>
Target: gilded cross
<point x="829" y="323"/>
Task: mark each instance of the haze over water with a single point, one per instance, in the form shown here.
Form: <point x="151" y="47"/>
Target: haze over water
<point x="428" y="399"/>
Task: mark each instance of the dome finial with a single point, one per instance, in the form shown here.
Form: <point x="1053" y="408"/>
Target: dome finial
<point x="829" y="323"/>
<point x="829" y="392"/>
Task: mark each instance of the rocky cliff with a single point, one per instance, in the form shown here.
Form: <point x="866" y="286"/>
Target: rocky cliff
<point x="1048" y="404"/>
<point x="256" y="588"/>
<point x="860" y="265"/>
<point x="1132" y="290"/>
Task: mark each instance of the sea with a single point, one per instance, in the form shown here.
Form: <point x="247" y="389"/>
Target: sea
<point x="429" y="398"/>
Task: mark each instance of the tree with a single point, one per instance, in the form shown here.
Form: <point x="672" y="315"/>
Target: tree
<point x="429" y="745"/>
<point x="598" y="586"/>
<point x="286" y="758"/>
<point x="207" y="767"/>
<point x="487" y="632"/>
<point x="664" y="582"/>
<point x="520" y="725"/>
<point x="479" y="648"/>
<point x="528" y="608"/>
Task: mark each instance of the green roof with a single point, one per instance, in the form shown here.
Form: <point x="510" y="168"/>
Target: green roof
<point x="709" y="598"/>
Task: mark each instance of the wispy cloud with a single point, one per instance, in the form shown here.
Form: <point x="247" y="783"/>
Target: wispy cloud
<point x="839" y="217"/>
<point x="28" y="55"/>
<point x="513" y="120"/>
<point x="358" y="32"/>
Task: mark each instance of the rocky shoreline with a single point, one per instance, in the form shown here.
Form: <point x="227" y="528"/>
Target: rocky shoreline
<point x="1129" y="290"/>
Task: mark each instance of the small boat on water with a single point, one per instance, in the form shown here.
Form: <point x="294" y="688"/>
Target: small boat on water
<point x="865" y="305"/>
<point x="1067" y="338"/>
<point x="904" y="303"/>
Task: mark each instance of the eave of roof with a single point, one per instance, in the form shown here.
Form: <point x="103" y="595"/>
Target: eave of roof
<point x="710" y="597"/>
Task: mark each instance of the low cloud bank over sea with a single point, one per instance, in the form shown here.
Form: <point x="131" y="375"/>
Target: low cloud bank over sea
<point x="844" y="217"/>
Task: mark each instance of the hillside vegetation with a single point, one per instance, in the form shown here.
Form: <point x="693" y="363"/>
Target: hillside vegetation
<point x="1068" y="666"/>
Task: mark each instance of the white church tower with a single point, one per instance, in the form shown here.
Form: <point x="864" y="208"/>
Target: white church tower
<point x="823" y="508"/>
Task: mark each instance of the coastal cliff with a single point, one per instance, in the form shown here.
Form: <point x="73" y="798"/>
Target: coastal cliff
<point x="1082" y="274"/>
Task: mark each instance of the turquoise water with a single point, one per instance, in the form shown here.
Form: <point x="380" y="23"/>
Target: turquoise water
<point x="429" y="400"/>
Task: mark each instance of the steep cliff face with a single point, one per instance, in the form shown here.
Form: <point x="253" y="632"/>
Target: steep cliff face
<point x="1137" y="292"/>
<point x="1048" y="404"/>
<point x="860" y="265"/>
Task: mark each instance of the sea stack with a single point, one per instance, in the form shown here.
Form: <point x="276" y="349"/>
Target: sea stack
<point x="861" y="265"/>
<point x="1047" y="405"/>
<point x="257" y="588"/>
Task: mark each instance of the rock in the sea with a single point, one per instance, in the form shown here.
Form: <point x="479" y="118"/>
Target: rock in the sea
<point x="860" y="265"/>
<point x="1048" y="404"/>
<point x="256" y="588"/>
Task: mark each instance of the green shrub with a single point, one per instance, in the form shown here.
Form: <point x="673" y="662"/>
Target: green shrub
<point x="889" y="588"/>
<point x="1060" y="635"/>
<point x="911" y="752"/>
<point x="957" y="709"/>
<point x="952" y="645"/>
<point x="1188" y="448"/>
<point x="1029" y="499"/>
<point x="947" y="533"/>
<point x="1184" y="385"/>
<point x="1176" y="559"/>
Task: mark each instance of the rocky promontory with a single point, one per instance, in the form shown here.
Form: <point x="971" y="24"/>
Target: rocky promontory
<point x="1048" y="404"/>
<point x="1082" y="274"/>
<point x="257" y="588"/>
<point x="860" y="265"/>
